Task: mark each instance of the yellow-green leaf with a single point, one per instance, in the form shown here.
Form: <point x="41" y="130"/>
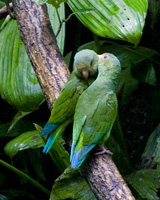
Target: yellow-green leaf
<point x="18" y="83"/>
<point x="116" y="19"/>
<point x="30" y="139"/>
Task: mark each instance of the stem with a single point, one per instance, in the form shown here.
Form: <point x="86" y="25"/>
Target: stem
<point x="59" y="19"/>
<point x="61" y="22"/>
<point x="28" y="178"/>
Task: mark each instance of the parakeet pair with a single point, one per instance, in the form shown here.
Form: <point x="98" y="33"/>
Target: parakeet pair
<point x="85" y="71"/>
<point x="96" y="110"/>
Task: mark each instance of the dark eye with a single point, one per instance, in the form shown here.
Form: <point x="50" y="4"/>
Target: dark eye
<point x="105" y="57"/>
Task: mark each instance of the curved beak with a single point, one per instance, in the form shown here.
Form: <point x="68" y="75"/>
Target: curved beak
<point x="85" y="74"/>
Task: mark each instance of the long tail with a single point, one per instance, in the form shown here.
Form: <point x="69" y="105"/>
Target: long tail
<point x="51" y="140"/>
<point x="53" y="136"/>
<point x="49" y="127"/>
<point x="78" y="158"/>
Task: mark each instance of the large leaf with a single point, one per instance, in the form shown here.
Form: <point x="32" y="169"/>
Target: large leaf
<point x="21" y="127"/>
<point x="116" y="19"/>
<point x="158" y="152"/>
<point x="154" y="11"/>
<point x="146" y="183"/>
<point x="18" y="83"/>
<point x="71" y="185"/>
<point x="30" y="139"/>
<point x="55" y="23"/>
<point x="127" y="54"/>
<point x="153" y="145"/>
<point x="56" y="3"/>
<point x="137" y="64"/>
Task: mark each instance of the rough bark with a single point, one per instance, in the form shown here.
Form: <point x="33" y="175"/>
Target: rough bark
<point x="41" y="45"/>
<point x="104" y="178"/>
<point x="40" y="42"/>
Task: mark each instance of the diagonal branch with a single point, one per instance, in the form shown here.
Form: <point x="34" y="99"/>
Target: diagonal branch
<point x="52" y="72"/>
<point x="41" y="45"/>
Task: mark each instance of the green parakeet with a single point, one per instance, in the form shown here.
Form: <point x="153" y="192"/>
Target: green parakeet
<point x="96" y="110"/>
<point x="85" y="69"/>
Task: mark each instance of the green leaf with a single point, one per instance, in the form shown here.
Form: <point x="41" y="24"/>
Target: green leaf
<point x="71" y="185"/>
<point x="21" y="127"/>
<point x="38" y="128"/>
<point x="83" y="11"/>
<point x="59" y="154"/>
<point x="2" y="197"/>
<point x="158" y="151"/>
<point x="146" y="183"/>
<point x="144" y="72"/>
<point x="119" y="156"/>
<point x="55" y="24"/>
<point x="18" y="83"/>
<point x="56" y="3"/>
<point x="128" y="83"/>
<point x="152" y="149"/>
<point x="19" y="115"/>
<point x="116" y="19"/>
<point x="154" y="11"/>
<point x="129" y="55"/>
<point x="30" y="139"/>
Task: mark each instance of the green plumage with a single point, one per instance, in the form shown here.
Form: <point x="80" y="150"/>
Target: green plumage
<point x="85" y="70"/>
<point x="96" y="110"/>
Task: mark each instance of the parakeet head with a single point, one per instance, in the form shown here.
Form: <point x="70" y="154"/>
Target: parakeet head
<point x="109" y="63"/>
<point x="85" y="64"/>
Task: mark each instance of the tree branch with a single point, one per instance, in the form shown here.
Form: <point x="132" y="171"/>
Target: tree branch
<point x="104" y="178"/>
<point x="52" y="72"/>
<point x="41" y="45"/>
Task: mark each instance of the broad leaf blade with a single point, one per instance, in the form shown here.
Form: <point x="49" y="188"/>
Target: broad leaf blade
<point x="158" y="151"/>
<point x="71" y="185"/>
<point x="55" y="24"/>
<point x="18" y="83"/>
<point x="146" y="183"/>
<point x="56" y="3"/>
<point x="149" y="155"/>
<point x="116" y="19"/>
<point x="30" y="139"/>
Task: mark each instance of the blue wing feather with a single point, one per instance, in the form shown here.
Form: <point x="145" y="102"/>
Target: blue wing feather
<point x="49" y="127"/>
<point x="79" y="156"/>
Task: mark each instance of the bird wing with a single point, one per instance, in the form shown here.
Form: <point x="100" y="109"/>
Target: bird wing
<point x="64" y="106"/>
<point x="93" y="121"/>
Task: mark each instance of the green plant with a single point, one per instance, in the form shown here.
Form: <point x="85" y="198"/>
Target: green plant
<point x="135" y="139"/>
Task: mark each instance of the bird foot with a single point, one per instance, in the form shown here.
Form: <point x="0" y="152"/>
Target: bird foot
<point x="103" y="150"/>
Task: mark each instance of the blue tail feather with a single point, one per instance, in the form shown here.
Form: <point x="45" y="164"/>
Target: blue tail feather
<point x="72" y="151"/>
<point x="78" y="157"/>
<point x="48" y="128"/>
<point x="48" y="145"/>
